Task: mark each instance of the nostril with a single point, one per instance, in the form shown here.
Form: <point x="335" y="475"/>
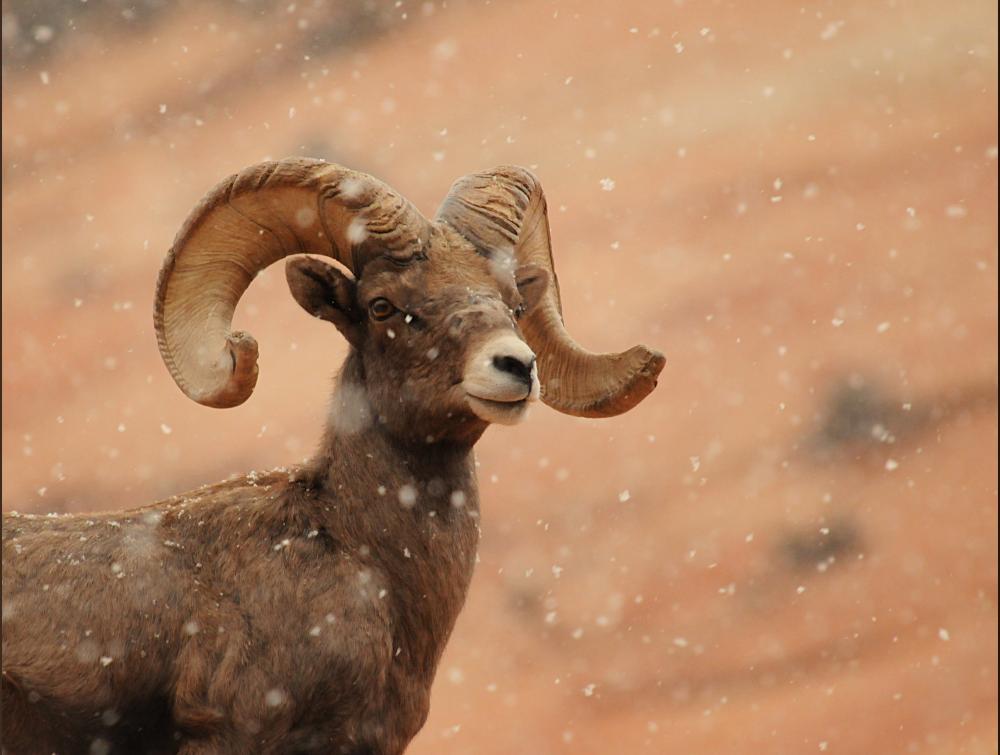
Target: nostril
<point x="516" y="367"/>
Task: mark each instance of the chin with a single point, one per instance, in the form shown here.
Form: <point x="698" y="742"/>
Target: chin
<point x="499" y="412"/>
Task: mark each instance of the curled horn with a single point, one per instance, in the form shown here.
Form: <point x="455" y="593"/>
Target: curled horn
<point x="505" y="208"/>
<point x="244" y="224"/>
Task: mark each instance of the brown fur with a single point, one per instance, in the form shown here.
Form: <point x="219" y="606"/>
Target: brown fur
<point x="300" y="610"/>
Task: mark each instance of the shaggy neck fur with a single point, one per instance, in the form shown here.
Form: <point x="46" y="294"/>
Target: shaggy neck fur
<point x="354" y="422"/>
<point x="413" y="508"/>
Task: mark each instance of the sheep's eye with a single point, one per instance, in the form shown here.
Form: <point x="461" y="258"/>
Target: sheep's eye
<point x="381" y="309"/>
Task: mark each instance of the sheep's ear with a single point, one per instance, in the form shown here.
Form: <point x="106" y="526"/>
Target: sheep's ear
<point x="325" y="292"/>
<point x="532" y="280"/>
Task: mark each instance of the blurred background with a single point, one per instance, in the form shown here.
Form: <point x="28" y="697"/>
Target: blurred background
<point x="791" y="546"/>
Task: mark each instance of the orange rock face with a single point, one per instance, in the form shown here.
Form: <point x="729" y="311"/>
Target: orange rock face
<point x="791" y="546"/>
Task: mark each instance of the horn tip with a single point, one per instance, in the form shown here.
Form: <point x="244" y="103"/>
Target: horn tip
<point x="238" y="367"/>
<point x="645" y="365"/>
<point x="653" y="361"/>
<point x="649" y="363"/>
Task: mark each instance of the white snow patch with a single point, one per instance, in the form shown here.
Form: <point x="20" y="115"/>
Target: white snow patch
<point x="407" y="496"/>
<point x="275" y="697"/>
<point x="305" y="216"/>
<point x="357" y="231"/>
<point x="445" y="50"/>
<point x="351" y="188"/>
<point x="502" y="264"/>
<point x="830" y="30"/>
<point x="350" y="412"/>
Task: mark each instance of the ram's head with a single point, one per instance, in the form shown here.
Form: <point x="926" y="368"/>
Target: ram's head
<point x="455" y="320"/>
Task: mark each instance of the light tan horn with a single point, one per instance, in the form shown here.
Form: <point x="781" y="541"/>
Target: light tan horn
<point x="504" y="209"/>
<point x="248" y="221"/>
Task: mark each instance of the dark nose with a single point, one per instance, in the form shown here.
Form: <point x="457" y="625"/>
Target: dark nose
<point x="517" y="368"/>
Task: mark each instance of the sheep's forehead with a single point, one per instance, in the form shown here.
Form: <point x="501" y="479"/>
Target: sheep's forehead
<point x="446" y="267"/>
<point x="453" y="260"/>
<point x="470" y="271"/>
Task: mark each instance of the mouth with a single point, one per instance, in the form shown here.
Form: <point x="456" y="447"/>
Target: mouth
<point x="499" y="412"/>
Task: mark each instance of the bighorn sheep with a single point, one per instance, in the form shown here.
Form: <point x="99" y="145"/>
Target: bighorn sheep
<point x="305" y="609"/>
